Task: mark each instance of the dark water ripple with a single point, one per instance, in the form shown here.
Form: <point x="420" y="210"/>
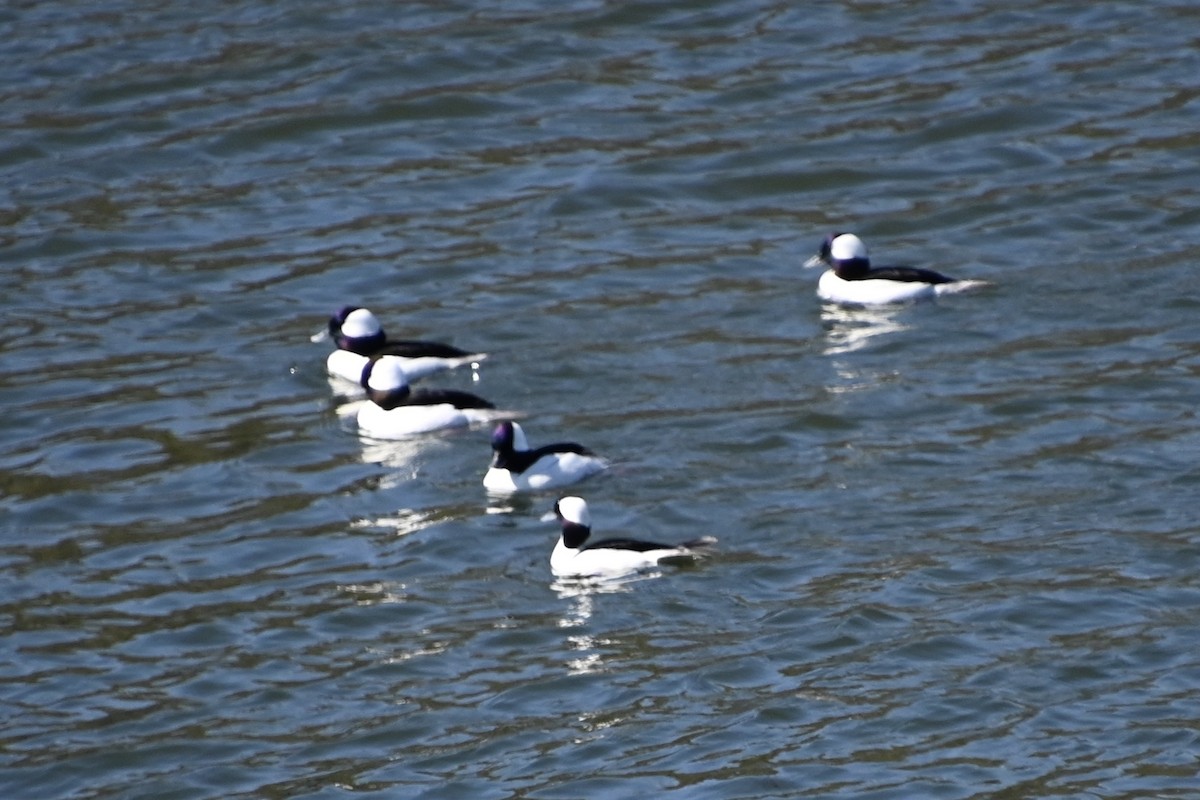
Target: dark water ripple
<point x="958" y="556"/>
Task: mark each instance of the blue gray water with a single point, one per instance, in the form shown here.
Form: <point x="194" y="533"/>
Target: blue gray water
<point x="959" y="555"/>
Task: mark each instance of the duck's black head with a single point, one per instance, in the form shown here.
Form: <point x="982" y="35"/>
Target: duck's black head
<point x="502" y="445"/>
<point x="356" y="329"/>
<point x="847" y="254"/>
<point x="385" y="382"/>
<point x="824" y="254"/>
<point x="502" y="437"/>
<point x="576" y="521"/>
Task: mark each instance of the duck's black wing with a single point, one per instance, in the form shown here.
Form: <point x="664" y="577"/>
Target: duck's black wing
<point x="433" y="397"/>
<point x="521" y="460"/>
<point x="907" y="275"/>
<point x="627" y="544"/>
<point x="560" y="447"/>
<point x="412" y="348"/>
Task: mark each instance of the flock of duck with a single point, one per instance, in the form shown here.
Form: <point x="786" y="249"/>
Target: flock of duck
<point x="385" y="368"/>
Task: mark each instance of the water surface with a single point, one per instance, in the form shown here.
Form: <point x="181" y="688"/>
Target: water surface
<point x="958" y="552"/>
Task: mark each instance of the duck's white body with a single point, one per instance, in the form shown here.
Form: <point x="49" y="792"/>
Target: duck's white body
<point x="608" y="562"/>
<point x="547" y="468"/>
<point x="550" y="472"/>
<point x="405" y="421"/>
<point x="833" y="289"/>
<point x="348" y="366"/>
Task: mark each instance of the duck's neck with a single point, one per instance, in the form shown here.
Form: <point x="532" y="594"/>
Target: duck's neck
<point x="852" y="269"/>
<point x="574" y="534"/>
<point x="363" y="345"/>
<point x="387" y="399"/>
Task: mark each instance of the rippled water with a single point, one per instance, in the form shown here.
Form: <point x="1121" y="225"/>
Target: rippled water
<point x="959" y="556"/>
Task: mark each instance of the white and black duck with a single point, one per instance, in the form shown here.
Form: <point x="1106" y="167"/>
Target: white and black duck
<point x="851" y="280"/>
<point x="394" y="410"/>
<point x="576" y="557"/>
<point x="360" y="337"/>
<point x="516" y="467"/>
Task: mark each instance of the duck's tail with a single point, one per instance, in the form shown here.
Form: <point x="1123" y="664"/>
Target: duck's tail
<point x="702" y="543"/>
<point x="958" y="287"/>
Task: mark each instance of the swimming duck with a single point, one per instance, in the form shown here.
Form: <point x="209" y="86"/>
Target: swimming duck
<point x="851" y="280"/>
<point x="360" y="337"/>
<point x="518" y="468"/>
<point x="574" y="557"/>
<point x="393" y="410"/>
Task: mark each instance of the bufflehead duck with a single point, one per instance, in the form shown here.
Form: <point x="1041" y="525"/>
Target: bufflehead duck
<point x="393" y="410"/>
<point x="360" y="337"/>
<point x="573" y="557"/>
<point x="852" y="280"/>
<point x="517" y="468"/>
